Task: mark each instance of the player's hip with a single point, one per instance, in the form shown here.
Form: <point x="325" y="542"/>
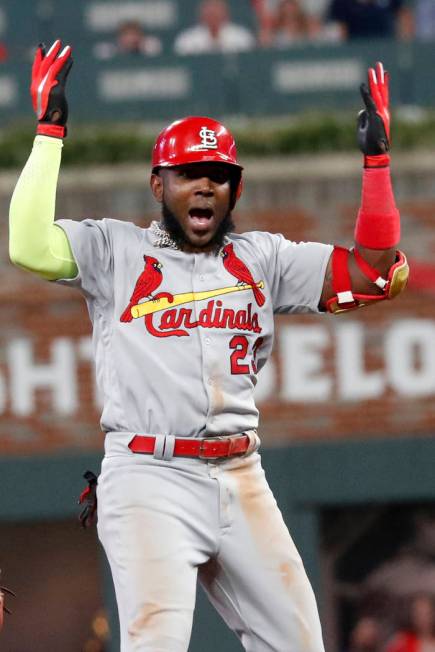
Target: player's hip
<point x="168" y="448"/>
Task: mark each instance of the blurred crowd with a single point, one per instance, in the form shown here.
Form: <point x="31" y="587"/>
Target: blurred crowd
<point x="283" y="24"/>
<point x="411" y="628"/>
<point x="276" y="24"/>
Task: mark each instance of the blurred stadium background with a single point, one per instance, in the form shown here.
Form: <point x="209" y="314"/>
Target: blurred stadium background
<point x="347" y="403"/>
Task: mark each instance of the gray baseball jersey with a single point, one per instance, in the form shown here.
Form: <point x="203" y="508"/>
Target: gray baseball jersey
<point x="179" y="339"/>
<point x="197" y="327"/>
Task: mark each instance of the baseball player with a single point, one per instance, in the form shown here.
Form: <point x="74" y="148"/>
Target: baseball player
<point x="182" y="316"/>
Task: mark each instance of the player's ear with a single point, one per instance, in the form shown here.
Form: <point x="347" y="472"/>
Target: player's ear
<point x="156" y="183"/>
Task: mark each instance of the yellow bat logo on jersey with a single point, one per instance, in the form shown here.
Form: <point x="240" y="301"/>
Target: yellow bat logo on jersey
<point x="174" y="321"/>
<point x="156" y="305"/>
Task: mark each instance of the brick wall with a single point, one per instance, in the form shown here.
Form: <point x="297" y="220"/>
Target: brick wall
<point x="369" y="373"/>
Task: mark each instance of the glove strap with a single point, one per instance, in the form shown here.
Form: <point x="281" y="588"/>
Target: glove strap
<point x="378" y="223"/>
<point x="378" y="161"/>
<point x="48" y="129"/>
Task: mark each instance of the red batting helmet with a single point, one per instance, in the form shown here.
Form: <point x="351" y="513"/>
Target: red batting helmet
<point x="195" y="139"/>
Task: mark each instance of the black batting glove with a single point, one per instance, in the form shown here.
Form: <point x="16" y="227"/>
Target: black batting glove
<point x="88" y="498"/>
<point x="374" y="120"/>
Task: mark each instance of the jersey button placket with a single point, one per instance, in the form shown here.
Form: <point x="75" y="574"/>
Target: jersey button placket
<point x="199" y="285"/>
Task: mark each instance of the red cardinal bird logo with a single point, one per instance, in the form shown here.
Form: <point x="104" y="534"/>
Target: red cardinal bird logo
<point x="147" y="282"/>
<point x="238" y="269"/>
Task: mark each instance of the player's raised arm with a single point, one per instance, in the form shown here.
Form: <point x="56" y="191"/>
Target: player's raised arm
<point x="374" y="269"/>
<point x="35" y="242"/>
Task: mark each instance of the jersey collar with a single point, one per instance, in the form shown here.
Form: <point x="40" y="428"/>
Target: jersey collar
<point x="163" y="240"/>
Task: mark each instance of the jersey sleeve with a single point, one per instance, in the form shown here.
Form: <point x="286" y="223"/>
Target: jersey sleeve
<point x="91" y="244"/>
<point x="295" y="272"/>
<point x="35" y="244"/>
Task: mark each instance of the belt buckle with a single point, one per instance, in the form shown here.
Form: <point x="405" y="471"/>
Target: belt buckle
<point x="201" y="450"/>
<point x="232" y="444"/>
<point x="211" y="442"/>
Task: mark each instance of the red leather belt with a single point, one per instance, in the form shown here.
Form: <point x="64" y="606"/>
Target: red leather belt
<point x="203" y="448"/>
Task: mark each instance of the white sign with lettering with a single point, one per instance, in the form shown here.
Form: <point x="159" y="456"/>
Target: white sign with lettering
<point x="309" y="373"/>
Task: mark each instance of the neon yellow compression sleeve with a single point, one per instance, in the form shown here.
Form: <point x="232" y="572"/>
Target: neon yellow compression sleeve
<point x="35" y="242"/>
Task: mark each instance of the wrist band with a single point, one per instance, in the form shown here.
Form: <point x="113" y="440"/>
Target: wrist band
<point x="48" y="129"/>
<point x="378" y="161"/>
<point x="378" y="222"/>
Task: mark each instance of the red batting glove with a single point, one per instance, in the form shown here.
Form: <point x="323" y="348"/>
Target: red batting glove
<point x="374" y="120"/>
<point x="49" y="74"/>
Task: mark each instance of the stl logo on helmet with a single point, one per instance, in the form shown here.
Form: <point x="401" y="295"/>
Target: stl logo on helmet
<point x="208" y="139"/>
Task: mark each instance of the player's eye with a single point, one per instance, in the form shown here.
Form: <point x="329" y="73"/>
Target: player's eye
<point x="216" y="175"/>
<point x="219" y="176"/>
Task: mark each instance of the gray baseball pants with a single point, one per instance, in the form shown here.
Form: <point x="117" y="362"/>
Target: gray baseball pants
<point x="165" y="523"/>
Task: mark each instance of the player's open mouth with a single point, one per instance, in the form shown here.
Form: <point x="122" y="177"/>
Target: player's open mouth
<point x="200" y="218"/>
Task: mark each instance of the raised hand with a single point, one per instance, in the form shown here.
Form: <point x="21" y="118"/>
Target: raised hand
<point x="49" y="74"/>
<point x="374" y="120"/>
